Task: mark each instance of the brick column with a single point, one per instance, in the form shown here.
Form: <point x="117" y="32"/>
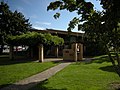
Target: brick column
<point x="41" y="54"/>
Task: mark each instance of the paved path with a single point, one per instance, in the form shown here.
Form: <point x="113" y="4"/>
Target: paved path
<point x="35" y="79"/>
<point x="53" y="59"/>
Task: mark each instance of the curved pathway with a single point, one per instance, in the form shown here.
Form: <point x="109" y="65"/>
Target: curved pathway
<point x="35" y="79"/>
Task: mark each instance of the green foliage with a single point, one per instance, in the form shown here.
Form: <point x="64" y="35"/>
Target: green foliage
<point x="80" y="6"/>
<point x="11" y="23"/>
<point x="73" y="23"/>
<point x="111" y="6"/>
<point x="97" y="48"/>
<point x="34" y="38"/>
<point x="57" y="15"/>
<point x="57" y="41"/>
<point x="98" y="26"/>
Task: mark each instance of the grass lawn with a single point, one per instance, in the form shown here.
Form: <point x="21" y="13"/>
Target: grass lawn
<point x="98" y="75"/>
<point x="15" y="70"/>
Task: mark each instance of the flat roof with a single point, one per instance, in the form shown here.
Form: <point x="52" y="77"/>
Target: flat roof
<point x="53" y="31"/>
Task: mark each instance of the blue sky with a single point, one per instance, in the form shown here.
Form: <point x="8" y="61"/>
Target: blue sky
<point x="40" y="18"/>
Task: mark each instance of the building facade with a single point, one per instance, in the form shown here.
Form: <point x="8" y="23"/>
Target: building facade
<point x="69" y="38"/>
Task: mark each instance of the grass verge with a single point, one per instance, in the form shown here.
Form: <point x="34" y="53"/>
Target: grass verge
<point x="83" y="76"/>
<point x="14" y="70"/>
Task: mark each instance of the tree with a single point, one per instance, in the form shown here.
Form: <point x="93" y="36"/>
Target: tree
<point x="101" y="26"/>
<point x="11" y="23"/>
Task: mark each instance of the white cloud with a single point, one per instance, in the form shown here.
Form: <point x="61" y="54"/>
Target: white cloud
<point x="43" y="23"/>
<point x="37" y="27"/>
<point x="46" y="23"/>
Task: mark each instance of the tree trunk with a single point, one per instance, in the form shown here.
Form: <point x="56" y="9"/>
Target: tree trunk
<point x="110" y="57"/>
<point x="118" y="59"/>
<point x="116" y="67"/>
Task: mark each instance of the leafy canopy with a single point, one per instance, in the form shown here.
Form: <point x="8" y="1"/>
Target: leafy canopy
<point x="100" y="26"/>
<point x="34" y="38"/>
<point x="80" y="6"/>
<point x="11" y="23"/>
<point x="84" y="8"/>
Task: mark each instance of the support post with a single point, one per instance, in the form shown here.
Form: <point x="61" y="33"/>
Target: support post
<point x="41" y="55"/>
<point x="75" y="52"/>
<point x="56" y="51"/>
<point x="11" y="52"/>
<point x="80" y="54"/>
<point x="81" y="51"/>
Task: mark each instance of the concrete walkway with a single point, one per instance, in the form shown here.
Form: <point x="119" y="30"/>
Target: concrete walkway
<point x="35" y="79"/>
<point x="53" y="60"/>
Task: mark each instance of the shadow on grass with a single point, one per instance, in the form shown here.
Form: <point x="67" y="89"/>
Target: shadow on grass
<point x="7" y="61"/>
<point x="100" y="59"/>
<point x="5" y="85"/>
<point x="62" y="61"/>
<point x="108" y="69"/>
<point x="41" y="86"/>
<point x="31" y="86"/>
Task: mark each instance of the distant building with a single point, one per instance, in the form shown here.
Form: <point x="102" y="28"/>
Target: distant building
<point x="69" y="38"/>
